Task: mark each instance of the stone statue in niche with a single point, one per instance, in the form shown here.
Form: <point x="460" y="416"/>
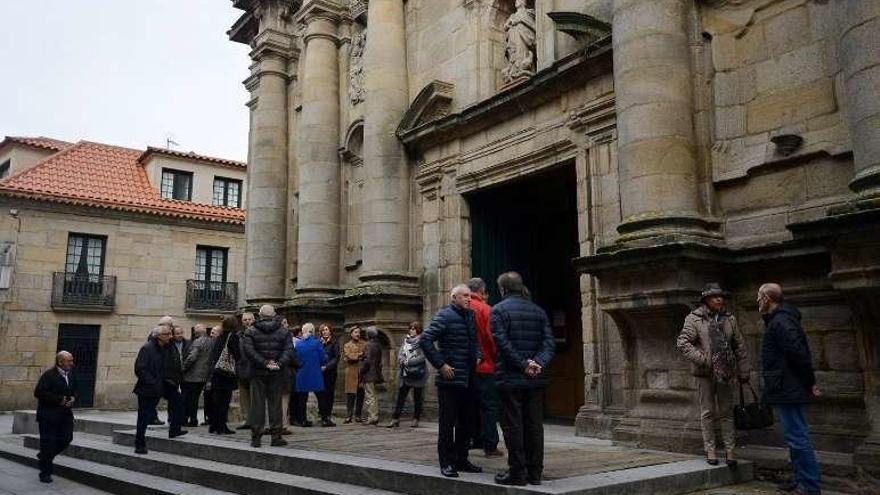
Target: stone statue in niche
<point x="520" y="38"/>
<point x="356" y="68"/>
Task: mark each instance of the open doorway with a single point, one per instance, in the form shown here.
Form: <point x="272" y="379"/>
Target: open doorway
<point x="530" y="226"/>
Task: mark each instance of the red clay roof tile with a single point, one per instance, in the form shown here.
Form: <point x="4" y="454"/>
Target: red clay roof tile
<point x="105" y="176"/>
<point x="37" y="142"/>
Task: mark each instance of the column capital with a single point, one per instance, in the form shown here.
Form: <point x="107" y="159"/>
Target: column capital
<point x="313" y="10"/>
<point x="272" y="43"/>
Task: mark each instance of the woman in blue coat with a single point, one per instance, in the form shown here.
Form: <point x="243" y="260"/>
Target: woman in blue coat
<point x="309" y="377"/>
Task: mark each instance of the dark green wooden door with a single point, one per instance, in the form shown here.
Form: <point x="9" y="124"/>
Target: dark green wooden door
<point x="82" y="341"/>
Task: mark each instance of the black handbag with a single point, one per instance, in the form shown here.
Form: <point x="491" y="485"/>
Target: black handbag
<point x="751" y="416"/>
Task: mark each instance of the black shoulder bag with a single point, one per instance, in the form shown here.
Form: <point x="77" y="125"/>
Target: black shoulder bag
<point x="751" y="416"/>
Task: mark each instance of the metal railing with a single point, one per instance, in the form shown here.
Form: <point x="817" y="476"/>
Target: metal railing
<point x="211" y="296"/>
<point x="74" y="291"/>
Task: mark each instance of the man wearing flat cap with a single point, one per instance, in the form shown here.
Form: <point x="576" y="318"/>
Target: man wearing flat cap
<point x="710" y="339"/>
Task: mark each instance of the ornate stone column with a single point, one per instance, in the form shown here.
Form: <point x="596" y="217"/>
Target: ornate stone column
<point x="859" y="52"/>
<point x="319" y="173"/>
<point x="654" y="101"/>
<point x="386" y="198"/>
<point x="265" y="228"/>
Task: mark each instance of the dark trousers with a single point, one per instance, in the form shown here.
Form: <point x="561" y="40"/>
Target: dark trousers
<point x="489" y="411"/>
<point x="146" y="409"/>
<point x="266" y="392"/>
<point x="402" y="392"/>
<point x="522" y="422"/>
<point x="220" y="400"/>
<point x="298" y="403"/>
<point x="55" y="436"/>
<point x="354" y="403"/>
<point x="191" y="393"/>
<point x="456" y="405"/>
<point x="176" y="409"/>
<point x="208" y="395"/>
<point x="325" y="398"/>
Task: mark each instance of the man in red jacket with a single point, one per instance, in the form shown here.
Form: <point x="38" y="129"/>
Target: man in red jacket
<point x="484" y="380"/>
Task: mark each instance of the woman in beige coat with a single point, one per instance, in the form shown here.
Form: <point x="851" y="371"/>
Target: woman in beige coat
<point x="353" y="352"/>
<point x="712" y="342"/>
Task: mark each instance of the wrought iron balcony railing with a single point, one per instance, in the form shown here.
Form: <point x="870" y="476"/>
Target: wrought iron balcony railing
<point x="211" y="296"/>
<point x="82" y="292"/>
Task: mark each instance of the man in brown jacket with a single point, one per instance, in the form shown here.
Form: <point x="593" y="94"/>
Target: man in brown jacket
<point x="371" y="375"/>
<point x="712" y="342"/>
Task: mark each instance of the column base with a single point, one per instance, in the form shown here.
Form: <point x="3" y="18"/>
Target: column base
<point x="673" y="435"/>
<point x="866" y="183"/>
<point x="592" y="421"/>
<point x="668" y="227"/>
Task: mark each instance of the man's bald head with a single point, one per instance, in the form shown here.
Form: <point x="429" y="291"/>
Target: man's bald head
<point x="64" y="360"/>
<point x="769" y="297"/>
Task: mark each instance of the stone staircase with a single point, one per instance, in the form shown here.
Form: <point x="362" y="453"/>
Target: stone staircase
<point x="197" y="464"/>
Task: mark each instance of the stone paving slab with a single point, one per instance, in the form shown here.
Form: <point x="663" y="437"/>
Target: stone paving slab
<point x="419" y="446"/>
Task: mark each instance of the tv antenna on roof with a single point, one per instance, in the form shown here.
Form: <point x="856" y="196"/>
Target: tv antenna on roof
<point x="169" y="142"/>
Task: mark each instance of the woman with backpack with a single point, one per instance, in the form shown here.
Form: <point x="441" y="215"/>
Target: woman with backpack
<point x="412" y="374"/>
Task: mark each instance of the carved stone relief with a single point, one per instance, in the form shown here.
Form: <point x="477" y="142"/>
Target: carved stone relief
<point x="520" y="41"/>
<point x="356" y="67"/>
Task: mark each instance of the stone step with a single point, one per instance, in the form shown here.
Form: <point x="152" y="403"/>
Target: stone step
<point x="838" y="469"/>
<point x="104" y="477"/>
<point x="207" y="473"/>
<point x="417" y="479"/>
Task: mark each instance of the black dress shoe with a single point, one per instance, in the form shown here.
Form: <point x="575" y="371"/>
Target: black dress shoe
<point x="506" y="478"/>
<point x="468" y="467"/>
<point x="326" y="422"/>
<point x="212" y="430"/>
<point x="45" y="478"/>
<point x="193" y="424"/>
<point x="243" y="427"/>
<point x="226" y="431"/>
<point x="140" y="450"/>
<point x="156" y="422"/>
<point x="533" y="480"/>
<point x="449" y="472"/>
<point x="178" y="433"/>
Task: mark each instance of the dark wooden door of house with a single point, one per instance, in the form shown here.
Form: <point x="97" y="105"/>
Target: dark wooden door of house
<point x="82" y="341"/>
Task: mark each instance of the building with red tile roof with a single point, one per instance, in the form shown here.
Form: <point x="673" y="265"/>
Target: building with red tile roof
<point x="109" y="177"/>
<point x="97" y="242"/>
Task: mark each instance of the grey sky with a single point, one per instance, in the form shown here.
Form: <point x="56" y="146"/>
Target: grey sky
<point x="125" y="72"/>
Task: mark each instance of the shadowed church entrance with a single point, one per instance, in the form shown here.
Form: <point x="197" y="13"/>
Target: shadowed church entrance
<point x="530" y="226"/>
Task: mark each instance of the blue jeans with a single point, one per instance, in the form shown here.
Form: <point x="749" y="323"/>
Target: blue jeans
<point x="490" y="410"/>
<point x="796" y="432"/>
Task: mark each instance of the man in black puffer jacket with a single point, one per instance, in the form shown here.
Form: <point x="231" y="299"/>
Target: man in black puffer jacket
<point x="455" y="356"/>
<point x="269" y="348"/>
<point x="525" y="347"/>
<point x="789" y="382"/>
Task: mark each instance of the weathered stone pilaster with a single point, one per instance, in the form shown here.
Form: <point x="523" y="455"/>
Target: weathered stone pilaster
<point x="319" y="173"/>
<point x="266" y="230"/>
<point x="654" y="100"/>
<point x="859" y="52"/>
<point x="386" y="199"/>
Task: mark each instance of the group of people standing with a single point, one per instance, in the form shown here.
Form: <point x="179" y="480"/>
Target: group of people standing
<point x="711" y="341"/>
<point x="274" y="367"/>
<point x="489" y="359"/>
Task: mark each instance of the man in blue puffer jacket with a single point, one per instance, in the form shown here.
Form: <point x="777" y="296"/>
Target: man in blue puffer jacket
<point x="789" y="383"/>
<point x="455" y="356"/>
<point x="525" y="347"/>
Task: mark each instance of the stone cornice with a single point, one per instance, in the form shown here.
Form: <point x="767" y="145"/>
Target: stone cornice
<point x="563" y="75"/>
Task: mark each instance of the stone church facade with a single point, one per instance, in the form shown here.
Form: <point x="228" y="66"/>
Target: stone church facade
<point x="619" y="153"/>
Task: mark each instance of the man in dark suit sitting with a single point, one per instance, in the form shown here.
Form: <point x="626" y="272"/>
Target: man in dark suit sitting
<point x="56" y="393"/>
